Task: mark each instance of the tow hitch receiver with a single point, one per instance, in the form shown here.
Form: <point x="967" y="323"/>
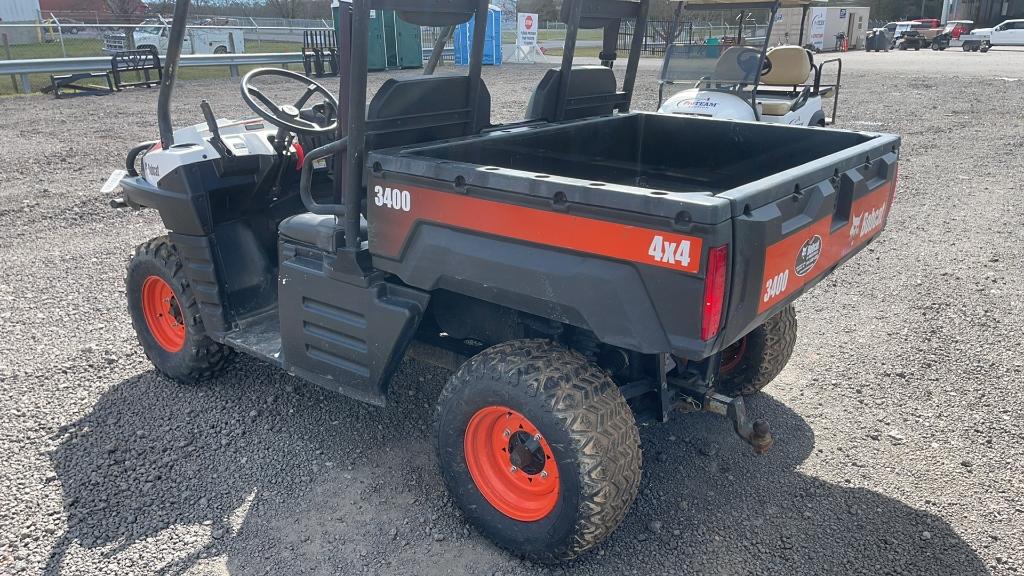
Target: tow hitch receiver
<point x="755" y="432"/>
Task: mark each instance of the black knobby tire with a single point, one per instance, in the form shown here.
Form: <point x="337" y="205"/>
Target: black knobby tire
<point x="762" y="354"/>
<point x="199" y="357"/>
<point x="586" y="423"/>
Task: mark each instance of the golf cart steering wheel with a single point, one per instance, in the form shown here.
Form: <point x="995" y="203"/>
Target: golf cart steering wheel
<point x="747" y="62"/>
<point x="287" y="117"/>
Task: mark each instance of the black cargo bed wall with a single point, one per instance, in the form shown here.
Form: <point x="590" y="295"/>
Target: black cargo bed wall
<point x="672" y="153"/>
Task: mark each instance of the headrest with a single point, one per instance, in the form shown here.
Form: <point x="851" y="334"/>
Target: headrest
<point x="787" y="65"/>
<point x="583" y="81"/>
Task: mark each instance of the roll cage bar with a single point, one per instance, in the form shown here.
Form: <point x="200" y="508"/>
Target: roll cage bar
<point x="349" y="148"/>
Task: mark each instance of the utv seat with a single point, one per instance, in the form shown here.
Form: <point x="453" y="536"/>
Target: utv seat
<point x="592" y="92"/>
<point x="402" y="112"/>
<point x="323" y="231"/>
<point x="425" y="109"/>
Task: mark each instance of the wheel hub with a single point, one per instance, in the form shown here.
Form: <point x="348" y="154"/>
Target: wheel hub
<point x="163" y="314"/>
<point x="511" y="463"/>
<point x="525" y="452"/>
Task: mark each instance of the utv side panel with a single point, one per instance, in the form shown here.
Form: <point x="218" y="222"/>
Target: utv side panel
<point x="592" y="273"/>
<point x="344" y="337"/>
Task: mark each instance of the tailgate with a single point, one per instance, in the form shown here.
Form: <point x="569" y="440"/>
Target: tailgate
<point x="798" y="237"/>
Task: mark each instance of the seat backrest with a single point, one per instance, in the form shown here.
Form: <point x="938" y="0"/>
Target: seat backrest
<point x="790" y="65"/>
<point x="425" y="109"/>
<point x="592" y="92"/>
<point x="737" y="64"/>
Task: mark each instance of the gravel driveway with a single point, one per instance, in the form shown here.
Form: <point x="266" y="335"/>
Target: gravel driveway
<point x="898" y="421"/>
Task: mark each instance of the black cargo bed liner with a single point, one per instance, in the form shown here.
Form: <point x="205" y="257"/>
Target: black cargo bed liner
<point x="660" y="152"/>
<point x="699" y="170"/>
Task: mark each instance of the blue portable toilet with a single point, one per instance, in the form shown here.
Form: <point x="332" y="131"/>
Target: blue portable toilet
<point x="463" y="38"/>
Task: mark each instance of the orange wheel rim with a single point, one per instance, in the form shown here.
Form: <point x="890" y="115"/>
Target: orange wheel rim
<point x="511" y="463"/>
<point x="732" y="356"/>
<point x="163" y="314"/>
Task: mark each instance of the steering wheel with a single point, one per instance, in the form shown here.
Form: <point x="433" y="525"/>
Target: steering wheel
<point x="747" y="62"/>
<point x="287" y="116"/>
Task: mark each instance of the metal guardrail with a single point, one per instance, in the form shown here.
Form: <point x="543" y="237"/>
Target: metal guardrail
<point x="23" y="68"/>
<point x="56" y="32"/>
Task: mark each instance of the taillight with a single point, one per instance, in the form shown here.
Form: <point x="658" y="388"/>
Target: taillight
<point x="714" y="292"/>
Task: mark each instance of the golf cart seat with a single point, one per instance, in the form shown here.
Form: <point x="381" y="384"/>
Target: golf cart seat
<point x="323" y="231"/>
<point x="737" y="64"/>
<point x="592" y="92"/>
<point x="787" y="66"/>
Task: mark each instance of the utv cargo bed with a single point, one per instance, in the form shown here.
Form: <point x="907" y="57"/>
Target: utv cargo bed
<point x="769" y="192"/>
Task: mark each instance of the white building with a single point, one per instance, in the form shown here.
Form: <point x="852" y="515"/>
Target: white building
<point x="849" y="20"/>
<point x="19" y="10"/>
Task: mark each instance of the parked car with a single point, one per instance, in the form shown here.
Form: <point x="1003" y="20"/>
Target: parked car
<point x="951" y="33"/>
<point x="931" y="22"/>
<point x="1008" y="33"/>
<point x="912" y="34"/>
<point x="52" y="29"/>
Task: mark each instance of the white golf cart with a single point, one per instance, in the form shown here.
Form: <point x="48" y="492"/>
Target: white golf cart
<point x="742" y="78"/>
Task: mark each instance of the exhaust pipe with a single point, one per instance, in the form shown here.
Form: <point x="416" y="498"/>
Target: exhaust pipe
<point x="174" y="41"/>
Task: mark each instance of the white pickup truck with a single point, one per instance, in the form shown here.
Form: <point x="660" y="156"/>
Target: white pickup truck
<point x="199" y="39"/>
<point x="1008" y="33"/>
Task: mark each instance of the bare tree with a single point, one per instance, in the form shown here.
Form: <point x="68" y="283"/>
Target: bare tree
<point x="286" y="8"/>
<point x="124" y="10"/>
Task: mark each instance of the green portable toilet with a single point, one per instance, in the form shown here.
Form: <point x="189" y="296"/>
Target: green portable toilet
<point x="393" y="42"/>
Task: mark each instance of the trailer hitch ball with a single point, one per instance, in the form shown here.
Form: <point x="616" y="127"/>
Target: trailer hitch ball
<point x="756" y="432"/>
<point x="761" y="437"/>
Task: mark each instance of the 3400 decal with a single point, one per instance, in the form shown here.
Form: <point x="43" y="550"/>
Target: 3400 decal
<point x="392" y="198"/>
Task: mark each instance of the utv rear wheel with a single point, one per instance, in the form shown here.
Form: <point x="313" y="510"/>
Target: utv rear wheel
<point x="166" y="316"/>
<point x="538" y="448"/>
<point x="756" y="359"/>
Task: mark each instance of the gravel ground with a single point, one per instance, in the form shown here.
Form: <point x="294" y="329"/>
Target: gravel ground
<point x="897" y="421"/>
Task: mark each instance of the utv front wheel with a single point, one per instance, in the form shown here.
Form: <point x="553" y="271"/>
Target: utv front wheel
<point x="166" y="316"/>
<point x="755" y="360"/>
<point x="538" y="448"/>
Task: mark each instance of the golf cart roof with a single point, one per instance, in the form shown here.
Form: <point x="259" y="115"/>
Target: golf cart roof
<point x="738" y="4"/>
